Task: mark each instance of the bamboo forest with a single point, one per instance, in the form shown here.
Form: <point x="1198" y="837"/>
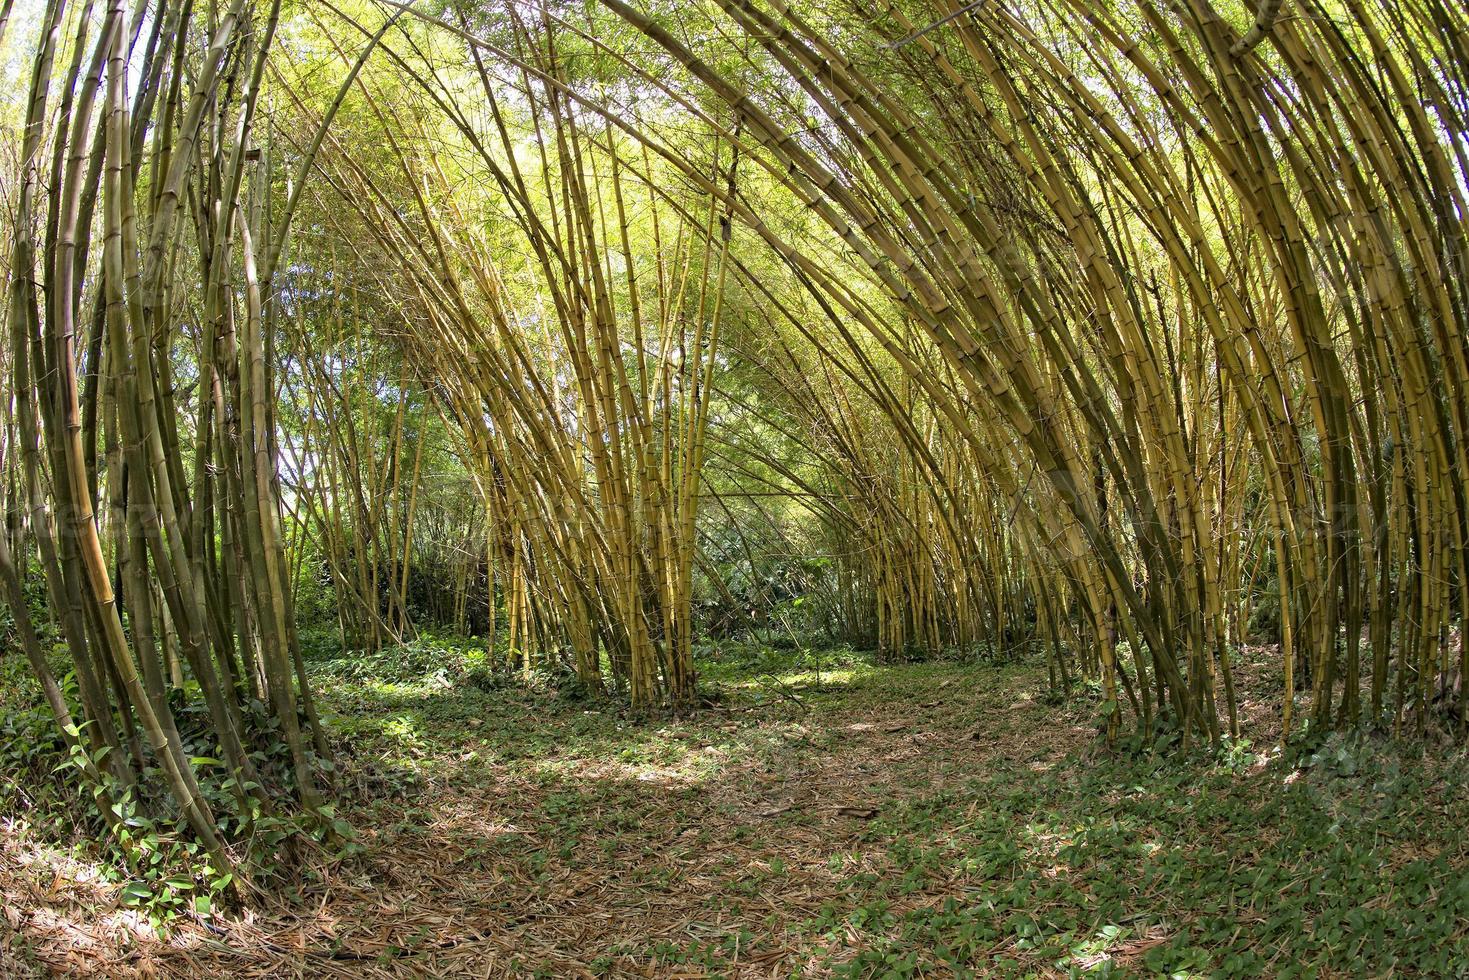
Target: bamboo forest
<point x="734" y="488"/>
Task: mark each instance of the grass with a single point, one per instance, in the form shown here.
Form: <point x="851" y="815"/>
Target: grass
<point x="829" y="816"/>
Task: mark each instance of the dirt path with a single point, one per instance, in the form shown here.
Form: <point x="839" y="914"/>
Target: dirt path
<point x="572" y="864"/>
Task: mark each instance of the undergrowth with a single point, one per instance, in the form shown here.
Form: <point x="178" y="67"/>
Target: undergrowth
<point x="152" y="856"/>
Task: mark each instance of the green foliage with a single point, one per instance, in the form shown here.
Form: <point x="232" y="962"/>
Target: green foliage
<point x="734" y="660"/>
<point x="32" y="764"/>
<point x="33" y="584"/>
<point x="426" y="659"/>
<point x="150" y="852"/>
<point x="1178" y="869"/>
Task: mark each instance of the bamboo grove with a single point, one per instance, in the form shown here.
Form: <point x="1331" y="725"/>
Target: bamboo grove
<point x="1131" y="333"/>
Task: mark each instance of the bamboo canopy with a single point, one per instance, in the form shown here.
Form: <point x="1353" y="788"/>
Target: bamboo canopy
<point x="1124" y="331"/>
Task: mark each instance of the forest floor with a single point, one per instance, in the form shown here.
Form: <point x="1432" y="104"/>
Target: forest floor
<point x="935" y="819"/>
